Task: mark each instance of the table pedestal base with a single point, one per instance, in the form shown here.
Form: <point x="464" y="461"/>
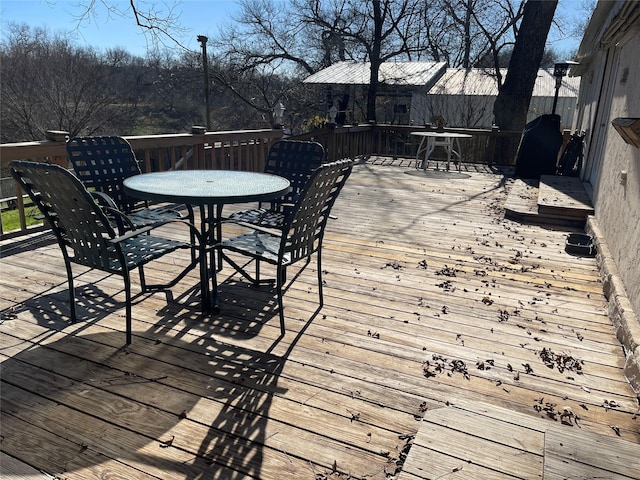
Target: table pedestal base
<point x="451" y="146"/>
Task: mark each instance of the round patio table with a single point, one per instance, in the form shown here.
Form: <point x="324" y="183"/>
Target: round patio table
<point x="449" y="140"/>
<point x="210" y="190"/>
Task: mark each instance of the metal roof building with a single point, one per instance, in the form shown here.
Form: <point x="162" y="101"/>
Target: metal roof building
<point x="418" y="92"/>
<point x="398" y="82"/>
<point x="479" y="81"/>
<point x="417" y="74"/>
<point x="465" y="97"/>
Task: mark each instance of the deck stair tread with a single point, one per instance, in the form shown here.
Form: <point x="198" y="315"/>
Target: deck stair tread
<point x="564" y="195"/>
<point x="466" y="439"/>
<point x="552" y="199"/>
<point x="589" y="455"/>
<point x="522" y="200"/>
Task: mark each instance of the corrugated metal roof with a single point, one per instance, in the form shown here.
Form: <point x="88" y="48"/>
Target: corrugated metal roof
<point x="478" y="81"/>
<point x="391" y="73"/>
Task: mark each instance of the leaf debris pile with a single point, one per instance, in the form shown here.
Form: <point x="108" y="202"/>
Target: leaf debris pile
<point x="566" y="415"/>
<point x="394" y="265"/>
<point x="446" y="271"/>
<point x="439" y="364"/>
<point x="402" y="456"/>
<point x="447" y="286"/>
<point x="561" y="361"/>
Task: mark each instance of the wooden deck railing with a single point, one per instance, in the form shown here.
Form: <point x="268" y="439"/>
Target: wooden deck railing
<point x="243" y="150"/>
<point x="233" y="150"/>
<point x="396" y="141"/>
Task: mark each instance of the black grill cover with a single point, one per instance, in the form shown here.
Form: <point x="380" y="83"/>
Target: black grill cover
<point x="539" y="146"/>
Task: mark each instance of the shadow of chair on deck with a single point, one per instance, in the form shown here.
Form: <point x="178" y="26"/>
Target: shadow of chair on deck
<point x="100" y="400"/>
<point x="74" y="385"/>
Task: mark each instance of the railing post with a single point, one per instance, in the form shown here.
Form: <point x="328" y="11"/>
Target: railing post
<point x="491" y="145"/>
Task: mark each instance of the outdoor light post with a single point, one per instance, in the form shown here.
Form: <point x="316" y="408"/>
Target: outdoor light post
<point x="560" y="70"/>
<point x="205" y="65"/>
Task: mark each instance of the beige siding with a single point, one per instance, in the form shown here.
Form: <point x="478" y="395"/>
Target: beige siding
<point x="609" y="90"/>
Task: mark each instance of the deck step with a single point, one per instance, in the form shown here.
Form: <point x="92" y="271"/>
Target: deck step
<point x="552" y="199"/>
<point x="466" y="440"/>
<point x="522" y="201"/>
<point x="563" y="196"/>
<point x="573" y="453"/>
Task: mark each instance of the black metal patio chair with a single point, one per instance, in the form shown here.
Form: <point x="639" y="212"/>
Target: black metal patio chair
<point x="301" y="234"/>
<point x="102" y="163"/>
<point x="85" y="234"/>
<point x="293" y="160"/>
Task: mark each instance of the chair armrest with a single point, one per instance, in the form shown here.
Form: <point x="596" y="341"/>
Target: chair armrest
<point x="110" y="208"/>
<point x="103" y="199"/>
<point x="122" y="221"/>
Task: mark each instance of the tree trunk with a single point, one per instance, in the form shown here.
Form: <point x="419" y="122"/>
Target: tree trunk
<point x="512" y="103"/>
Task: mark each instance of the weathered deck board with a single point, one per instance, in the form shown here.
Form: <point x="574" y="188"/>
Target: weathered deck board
<point x="415" y="266"/>
<point x="588" y="454"/>
<point x="513" y="441"/>
<point x="13" y="469"/>
<point x="564" y="194"/>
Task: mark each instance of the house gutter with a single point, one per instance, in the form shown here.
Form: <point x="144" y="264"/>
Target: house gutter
<point x="610" y="21"/>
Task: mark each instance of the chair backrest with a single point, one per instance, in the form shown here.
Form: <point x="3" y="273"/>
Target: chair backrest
<point x="305" y="223"/>
<point x="103" y="163"/>
<point x="75" y="218"/>
<point x="294" y="160"/>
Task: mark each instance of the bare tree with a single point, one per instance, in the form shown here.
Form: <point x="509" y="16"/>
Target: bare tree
<point x="159" y="21"/>
<point x="307" y="35"/>
<point x="470" y="33"/>
<point x="264" y="53"/>
<point x="375" y="30"/>
<point x="304" y="36"/>
<point x="54" y="85"/>
<point x="512" y="104"/>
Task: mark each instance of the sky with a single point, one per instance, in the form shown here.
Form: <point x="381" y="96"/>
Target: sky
<point x="106" y="30"/>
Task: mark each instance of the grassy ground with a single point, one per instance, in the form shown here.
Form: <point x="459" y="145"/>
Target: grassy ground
<point x="11" y="221"/>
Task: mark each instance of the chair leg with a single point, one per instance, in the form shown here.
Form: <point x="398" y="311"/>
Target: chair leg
<point x="72" y="294"/>
<point x="279" y="286"/>
<point x="212" y="298"/>
<point x="143" y="282"/>
<point x="205" y="291"/>
<point x="257" y="277"/>
<point x="319" y="265"/>
<point x="218" y="234"/>
<point x="192" y="236"/>
<point x="127" y="289"/>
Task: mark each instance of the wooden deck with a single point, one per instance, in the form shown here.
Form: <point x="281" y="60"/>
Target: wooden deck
<point x="453" y="344"/>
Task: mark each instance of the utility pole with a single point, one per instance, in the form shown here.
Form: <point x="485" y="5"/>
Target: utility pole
<point x="205" y="64"/>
